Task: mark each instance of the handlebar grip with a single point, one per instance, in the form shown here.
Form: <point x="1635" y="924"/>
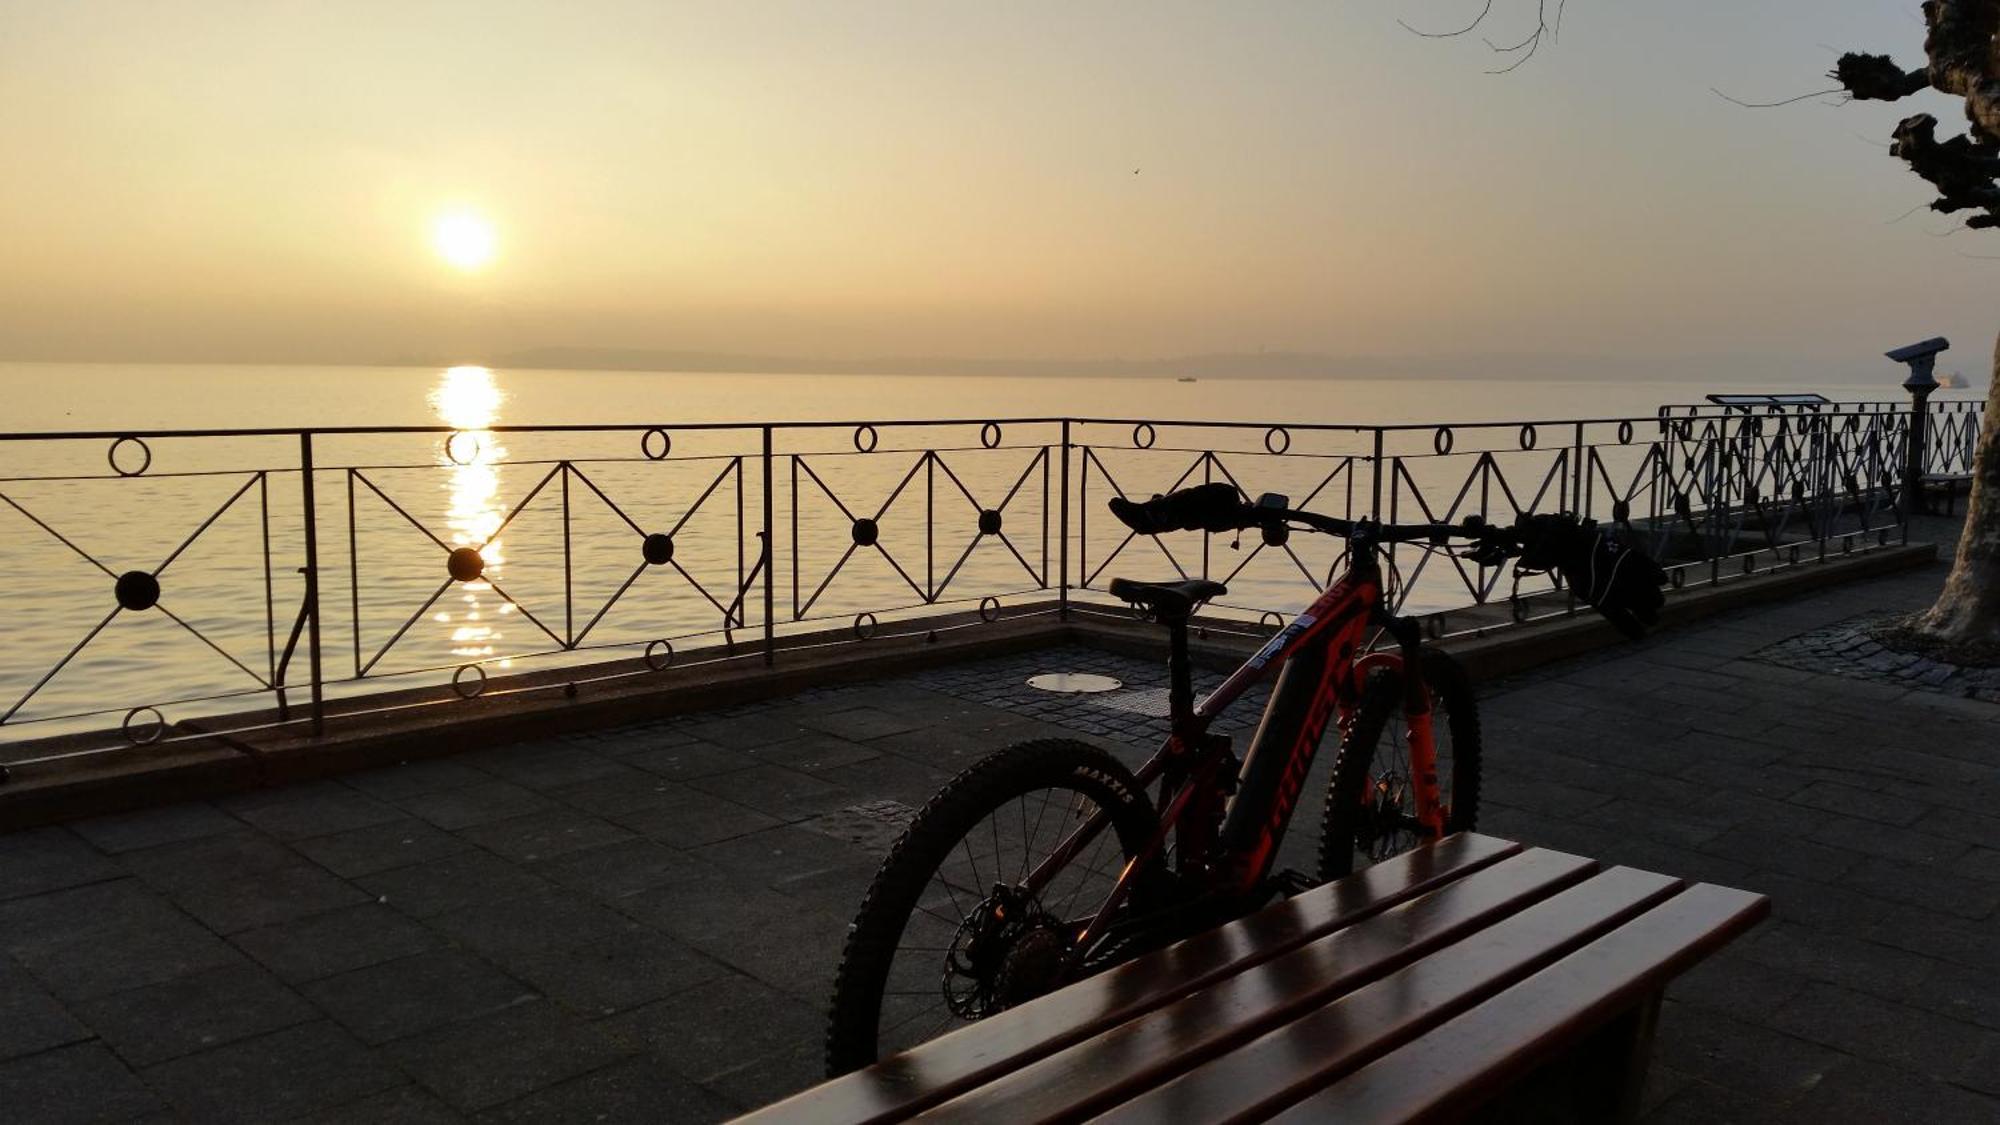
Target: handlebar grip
<point x="1205" y="507"/>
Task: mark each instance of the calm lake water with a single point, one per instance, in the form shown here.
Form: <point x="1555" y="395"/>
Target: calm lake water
<point x="560" y="519"/>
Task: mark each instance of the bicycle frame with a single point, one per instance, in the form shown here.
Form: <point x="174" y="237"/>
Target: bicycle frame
<point x="1324" y="645"/>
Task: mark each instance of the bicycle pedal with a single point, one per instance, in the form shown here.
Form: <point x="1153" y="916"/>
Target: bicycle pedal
<point x="1291" y="882"/>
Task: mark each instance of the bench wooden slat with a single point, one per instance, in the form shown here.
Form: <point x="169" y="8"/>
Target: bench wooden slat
<point x="949" y="1065"/>
<point x="1147" y="1051"/>
<point x="1439" y="1075"/>
<point x="1308" y="1053"/>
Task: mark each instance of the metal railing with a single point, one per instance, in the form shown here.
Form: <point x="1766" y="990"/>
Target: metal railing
<point x="264" y="580"/>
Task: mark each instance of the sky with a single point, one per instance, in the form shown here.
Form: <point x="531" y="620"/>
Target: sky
<point x="264" y="182"/>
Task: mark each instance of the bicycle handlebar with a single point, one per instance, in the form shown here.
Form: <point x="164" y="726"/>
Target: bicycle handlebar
<point x="1615" y="577"/>
<point x="1220" y="507"/>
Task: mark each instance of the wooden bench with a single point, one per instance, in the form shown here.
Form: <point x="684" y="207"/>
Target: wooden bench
<point x="1474" y="976"/>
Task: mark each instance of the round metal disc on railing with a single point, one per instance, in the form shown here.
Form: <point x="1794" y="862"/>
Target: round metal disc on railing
<point x="1621" y="511"/>
<point x="145" y="457"/>
<point x="1625" y="432"/>
<point x="465" y="688"/>
<point x="865" y="438"/>
<point x="1143" y="435"/>
<point x="864" y="625"/>
<point x="465" y="564"/>
<point x="1528" y="437"/>
<point x="865" y="532"/>
<point x="646" y="444"/>
<point x="451" y="450"/>
<point x="1277" y="439"/>
<point x="990" y="521"/>
<point x="136" y="590"/>
<point x="653" y="658"/>
<point x="1441" y="440"/>
<point x="148" y="736"/>
<point x="989" y="435"/>
<point x="989" y="609"/>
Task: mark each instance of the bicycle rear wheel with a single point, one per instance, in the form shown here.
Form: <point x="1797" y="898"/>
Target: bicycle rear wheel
<point x="945" y="935"/>
<point x="1371" y="811"/>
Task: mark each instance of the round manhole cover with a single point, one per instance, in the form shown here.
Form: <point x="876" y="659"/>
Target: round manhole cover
<point x="1074" y="683"/>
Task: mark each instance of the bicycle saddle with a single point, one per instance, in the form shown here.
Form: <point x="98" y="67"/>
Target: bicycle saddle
<point x="1167" y="599"/>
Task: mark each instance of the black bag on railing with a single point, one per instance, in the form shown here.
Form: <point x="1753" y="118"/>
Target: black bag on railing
<point x="1205" y="507"/>
<point x="1617" y="578"/>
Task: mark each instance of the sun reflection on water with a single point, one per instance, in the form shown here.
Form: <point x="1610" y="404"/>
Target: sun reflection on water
<point x="468" y="400"/>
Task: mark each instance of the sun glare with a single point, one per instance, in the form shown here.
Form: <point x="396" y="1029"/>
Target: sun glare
<point x="464" y="239"/>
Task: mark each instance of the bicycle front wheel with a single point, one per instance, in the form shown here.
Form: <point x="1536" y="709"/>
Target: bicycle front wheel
<point x="1371" y="803"/>
<point x="948" y="932"/>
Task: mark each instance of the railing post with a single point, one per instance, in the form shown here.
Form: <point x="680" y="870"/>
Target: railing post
<point x="1062" y="551"/>
<point x="1577" y="503"/>
<point x="1375" y="478"/>
<point x="311" y="516"/>
<point x="770" y="560"/>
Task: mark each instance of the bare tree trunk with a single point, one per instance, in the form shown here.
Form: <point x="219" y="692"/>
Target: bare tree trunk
<point x="1962" y="57"/>
<point x="1966" y="617"/>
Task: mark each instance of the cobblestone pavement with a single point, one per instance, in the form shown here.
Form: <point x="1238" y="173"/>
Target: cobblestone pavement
<point x="1850" y="648"/>
<point x="641" y="924"/>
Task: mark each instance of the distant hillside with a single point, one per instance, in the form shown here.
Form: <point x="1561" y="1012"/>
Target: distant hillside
<point x="1239" y="365"/>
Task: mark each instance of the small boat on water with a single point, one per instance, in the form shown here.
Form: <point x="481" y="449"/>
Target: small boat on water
<point x="1185" y="379"/>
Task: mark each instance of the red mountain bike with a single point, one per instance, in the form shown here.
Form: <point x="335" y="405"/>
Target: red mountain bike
<point x="1047" y="861"/>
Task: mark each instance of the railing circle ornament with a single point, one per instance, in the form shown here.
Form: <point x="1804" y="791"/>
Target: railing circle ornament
<point x="658" y="549"/>
<point x="864" y="532"/>
<point x="146" y="736"/>
<point x="1441" y="441"/>
<point x="465" y="564"/>
<point x="864" y="626"/>
<point x="1143" y="435"/>
<point x="136" y="590"/>
<point x="865" y="439"/>
<point x="1528" y="437"/>
<point x="451" y="447"/>
<point x="989" y="609"/>
<point x="990" y="521"/>
<point x="989" y="435"/>
<point x="1271" y="619"/>
<point x="655" y="437"/>
<point x="467" y="688"/>
<point x="1277" y="439"/>
<point x="1625" y="432"/>
<point x="145" y="457"/>
<point x="659" y="655"/>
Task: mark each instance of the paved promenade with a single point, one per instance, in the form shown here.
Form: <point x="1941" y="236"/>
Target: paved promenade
<point x="642" y="924"/>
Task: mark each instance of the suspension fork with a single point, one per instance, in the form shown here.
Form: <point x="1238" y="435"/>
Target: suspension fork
<point x="1417" y="716"/>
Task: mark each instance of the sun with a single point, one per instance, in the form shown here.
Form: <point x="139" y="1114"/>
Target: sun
<point x="464" y="239"/>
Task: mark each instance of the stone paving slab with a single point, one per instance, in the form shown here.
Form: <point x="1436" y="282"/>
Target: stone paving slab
<point x="642" y="924"/>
